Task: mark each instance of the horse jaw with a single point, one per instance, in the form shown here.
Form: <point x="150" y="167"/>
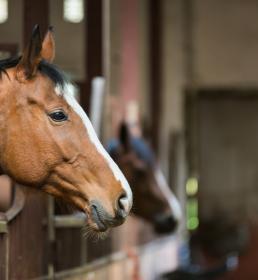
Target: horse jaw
<point x="70" y="99"/>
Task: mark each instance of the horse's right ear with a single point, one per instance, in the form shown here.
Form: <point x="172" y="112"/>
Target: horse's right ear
<point x="48" y="46"/>
<point x="28" y="65"/>
<point x="124" y="136"/>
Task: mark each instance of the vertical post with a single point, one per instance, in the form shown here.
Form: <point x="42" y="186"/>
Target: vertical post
<point x="4" y="250"/>
<point x="191" y="114"/>
<point x="51" y="236"/>
<point x="155" y="43"/>
<point x="188" y="40"/>
<point x="130" y="65"/>
<point x="34" y="12"/>
<point x="94" y="47"/>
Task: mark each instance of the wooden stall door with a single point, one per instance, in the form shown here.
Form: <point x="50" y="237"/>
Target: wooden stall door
<point x="226" y="160"/>
<point x="228" y="155"/>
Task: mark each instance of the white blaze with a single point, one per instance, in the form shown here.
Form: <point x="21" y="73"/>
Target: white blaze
<point x="172" y="200"/>
<point x="127" y="202"/>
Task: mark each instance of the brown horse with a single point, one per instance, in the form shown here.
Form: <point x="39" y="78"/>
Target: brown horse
<point x="153" y="199"/>
<point x="47" y="141"/>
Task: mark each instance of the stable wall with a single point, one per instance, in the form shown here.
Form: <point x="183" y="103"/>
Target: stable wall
<point x="218" y="46"/>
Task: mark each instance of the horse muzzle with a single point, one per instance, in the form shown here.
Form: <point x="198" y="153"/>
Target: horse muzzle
<point x="165" y="224"/>
<point x="102" y="220"/>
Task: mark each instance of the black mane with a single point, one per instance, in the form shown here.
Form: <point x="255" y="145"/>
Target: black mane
<point x="50" y="70"/>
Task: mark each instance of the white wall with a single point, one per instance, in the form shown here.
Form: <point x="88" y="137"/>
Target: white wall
<point x="70" y="41"/>
<point x="225" y="54"/>
<point x="226" y="42"/>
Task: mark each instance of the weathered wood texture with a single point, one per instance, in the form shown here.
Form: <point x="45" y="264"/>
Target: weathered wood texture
<point x="28" y="240"/>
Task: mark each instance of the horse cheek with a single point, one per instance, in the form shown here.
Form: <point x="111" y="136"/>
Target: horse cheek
<point x="23" y="167"/>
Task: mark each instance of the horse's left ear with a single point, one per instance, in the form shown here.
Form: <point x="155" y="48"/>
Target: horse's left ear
<point x="125" y="137"/>
<point x="27" y="67"/>
<point x="34" y="53"/>
<point x="48" y="46"/>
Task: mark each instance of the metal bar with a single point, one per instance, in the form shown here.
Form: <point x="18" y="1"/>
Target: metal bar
<point x="3" y="227"/>
<point x="17" y="206"/>
<point x="51" y="237"/>
<point x="69" y="221"/>
<point x="5" y="218"/>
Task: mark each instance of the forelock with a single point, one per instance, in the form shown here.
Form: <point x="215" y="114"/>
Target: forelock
<point x="56" y="75"/>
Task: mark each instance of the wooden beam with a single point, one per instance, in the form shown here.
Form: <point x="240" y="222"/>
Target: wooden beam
<point x="94" y="47"/>
<point x="155" y="43"/>
<point x="34" y="12"/>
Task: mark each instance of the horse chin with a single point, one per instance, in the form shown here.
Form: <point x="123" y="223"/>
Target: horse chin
<point x="95" y="227"/>
<point x="92" y="231"/>
<point x="98" y="226"/>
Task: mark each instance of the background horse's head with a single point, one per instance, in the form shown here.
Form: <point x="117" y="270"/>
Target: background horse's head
<point x="153" y="200"/>
<point x="47" y="141"/>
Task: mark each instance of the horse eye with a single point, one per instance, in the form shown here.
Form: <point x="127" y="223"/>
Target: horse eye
<point x="58" y="116"/>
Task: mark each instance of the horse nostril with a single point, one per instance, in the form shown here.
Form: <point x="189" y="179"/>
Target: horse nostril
<point x="165" y="224"/>
<point x="123" y="206"/>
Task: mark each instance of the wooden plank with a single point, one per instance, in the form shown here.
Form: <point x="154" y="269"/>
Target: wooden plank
<point x="28" y="240"/>
<point x="68" y="248"/>
<point x="3" y="256"/>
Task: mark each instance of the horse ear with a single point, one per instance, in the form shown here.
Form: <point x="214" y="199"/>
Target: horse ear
<point x="48" y="46"/>
<point x="124" y="136"/>
<point x="27" y="67"/>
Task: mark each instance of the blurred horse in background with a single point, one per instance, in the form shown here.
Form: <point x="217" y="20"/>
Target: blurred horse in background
<point x="153" y="199"/>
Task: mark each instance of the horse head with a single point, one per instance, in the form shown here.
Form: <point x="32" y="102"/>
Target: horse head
<point x="47" y="141"/>
<point x="153" y="200"/>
